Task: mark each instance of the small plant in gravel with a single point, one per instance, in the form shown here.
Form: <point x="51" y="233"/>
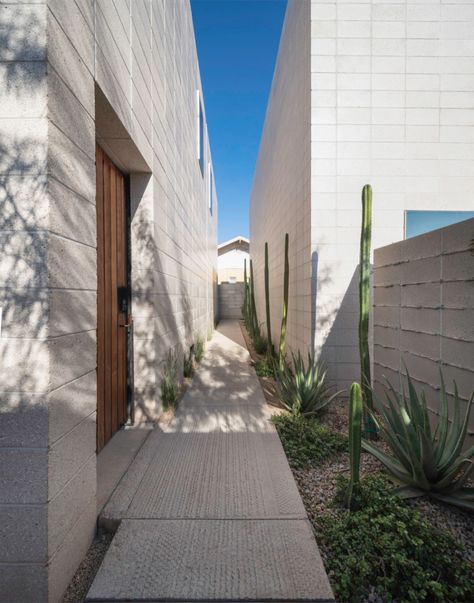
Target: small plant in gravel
<point x="306" y="441"/>
<point x="263" y="369"/>
<point x="302" y="388"/>
<point x="169" y="387"/>
<point x="199" y="348"/>
<point x="426" y="463"/>
<point x="260" y="344"/>
<point x="386" y="551"/>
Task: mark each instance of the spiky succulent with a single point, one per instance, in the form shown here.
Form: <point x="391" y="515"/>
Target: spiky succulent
<point x="423" y="462"/>
<point x="303" y="389"/>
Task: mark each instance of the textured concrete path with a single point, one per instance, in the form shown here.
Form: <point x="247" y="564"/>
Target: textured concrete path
<point x="209" y="510"/>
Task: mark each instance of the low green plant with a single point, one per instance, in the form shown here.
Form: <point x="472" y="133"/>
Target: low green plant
<point x="388" y="551"/>
<point x="303" y="389"/>
<point x="169" y="386"/>
<point x="426" y="463"/>
<point x="260" y="343"/>
<point x="188" y="363"/>
<point x="355" y="436"/>
<point x="306" y="441"/>
<point x="199" y="348"/>
<point x="263" y="368"/>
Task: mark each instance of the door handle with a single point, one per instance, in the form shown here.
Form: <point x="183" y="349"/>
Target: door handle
<point x="127" y="325"/>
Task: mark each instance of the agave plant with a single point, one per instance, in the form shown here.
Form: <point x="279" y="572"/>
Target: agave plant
<point x="303" y="389"/>
<point x="423" y="462"/>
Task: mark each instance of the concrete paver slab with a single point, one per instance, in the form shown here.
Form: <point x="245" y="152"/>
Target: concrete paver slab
<point x="221" y="560"/>
<point x="209" y="509"/>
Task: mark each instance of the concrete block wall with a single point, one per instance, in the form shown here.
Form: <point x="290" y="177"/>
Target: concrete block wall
<point x="280" y="199"/>
<point x="392" y="91"/>
<point x="57" y="60"/>
<point x="231" y="300"/>
<point x="391" y="84"/>
<point x="424" y="313"/>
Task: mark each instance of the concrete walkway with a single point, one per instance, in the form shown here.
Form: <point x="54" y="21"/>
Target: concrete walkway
<point x="209" y="510"/>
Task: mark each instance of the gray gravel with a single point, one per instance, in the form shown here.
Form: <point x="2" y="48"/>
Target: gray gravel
<point x="83" y="578"/>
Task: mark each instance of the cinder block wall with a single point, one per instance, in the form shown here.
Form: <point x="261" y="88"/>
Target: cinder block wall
<point x="231" y="299"/>
<point x="392" y="97"/>
<point x="424" y="313"/>
<point x="54" y="57"/>
<point x="280" y="199"/>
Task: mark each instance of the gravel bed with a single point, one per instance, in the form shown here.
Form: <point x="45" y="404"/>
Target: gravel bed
<point x="85" y="574"/>
<point x="317" y="487"/>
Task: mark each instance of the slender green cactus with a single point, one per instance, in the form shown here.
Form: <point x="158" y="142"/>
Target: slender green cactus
<point x="364" y="307"/>
<point x="355" y="435"/>
<point x="245" y="306"/>
<point x="253" y="308"/>
<point x="267" y="304"/>
<point x="281" y="356"/>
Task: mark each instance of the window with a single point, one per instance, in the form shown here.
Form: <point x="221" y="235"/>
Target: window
<point x="419" y="222"/>
<point x="211" y="187"/>
<point x="200" y="132"/>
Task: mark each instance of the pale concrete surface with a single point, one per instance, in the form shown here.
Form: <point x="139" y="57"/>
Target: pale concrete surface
<point x="116" y="458"/>
<point x="209" y="509"/>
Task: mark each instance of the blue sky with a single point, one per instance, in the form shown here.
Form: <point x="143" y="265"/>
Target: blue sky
<point x="237" y="43"/>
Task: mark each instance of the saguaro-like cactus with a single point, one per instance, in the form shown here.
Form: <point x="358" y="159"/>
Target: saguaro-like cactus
<point x="246" y="301"/>
<point x="281" y="356"/>
<point x="355" y="429"/>
<point x="364" y="307"/>
<point x="253" y="308"/>
<point x="267" y="303"/>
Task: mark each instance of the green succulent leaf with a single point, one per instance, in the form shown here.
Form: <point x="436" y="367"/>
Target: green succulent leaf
<point x="420" y="460"/>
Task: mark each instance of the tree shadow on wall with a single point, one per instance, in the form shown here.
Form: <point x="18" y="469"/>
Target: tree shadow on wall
<point x="34" y="284"/>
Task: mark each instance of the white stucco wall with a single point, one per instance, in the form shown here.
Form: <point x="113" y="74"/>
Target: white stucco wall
<point x="58" y="59"/>
<point x="280" y="199"/>
<point x="392" y="96"/>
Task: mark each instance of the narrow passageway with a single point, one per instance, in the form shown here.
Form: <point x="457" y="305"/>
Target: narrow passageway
<point x="209" y="509"/>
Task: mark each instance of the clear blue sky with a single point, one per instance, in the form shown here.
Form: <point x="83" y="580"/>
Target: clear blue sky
<point x="237" y="43"/>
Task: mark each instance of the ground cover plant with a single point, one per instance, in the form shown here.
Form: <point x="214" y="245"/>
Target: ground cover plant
<point x="386" y="548"/>
<point x="263" y="368"/>
<point x="306" y="441"/>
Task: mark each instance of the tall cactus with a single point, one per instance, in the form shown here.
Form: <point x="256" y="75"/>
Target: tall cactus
<point x="364" y="307"/>
<point x="253" y="308"/>
<point x="244" y="307"/>
<point x="284" y="316"/>
<point x="355" y="434"/>
<point x="267" y="304"/>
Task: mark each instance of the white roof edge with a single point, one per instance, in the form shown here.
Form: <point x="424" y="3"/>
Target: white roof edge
<point x="234" y="240"/>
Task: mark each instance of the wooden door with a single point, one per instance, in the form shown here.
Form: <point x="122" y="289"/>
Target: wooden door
<point x="113" y="301"/>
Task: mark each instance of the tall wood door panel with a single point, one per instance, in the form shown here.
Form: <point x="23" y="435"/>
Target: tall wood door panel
<point x="112" y="299"/>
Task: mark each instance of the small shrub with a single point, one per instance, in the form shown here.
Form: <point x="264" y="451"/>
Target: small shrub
<point x="259" y="344"/>
<point x="169" y="387"/>
<point x="387" y="550"/>
<point x="303" y="390"/>
<point x="199" y="348"/>
<point x="188" y="364"/>
<point x="306" y="441"/>
<point x="263" y="369"/>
